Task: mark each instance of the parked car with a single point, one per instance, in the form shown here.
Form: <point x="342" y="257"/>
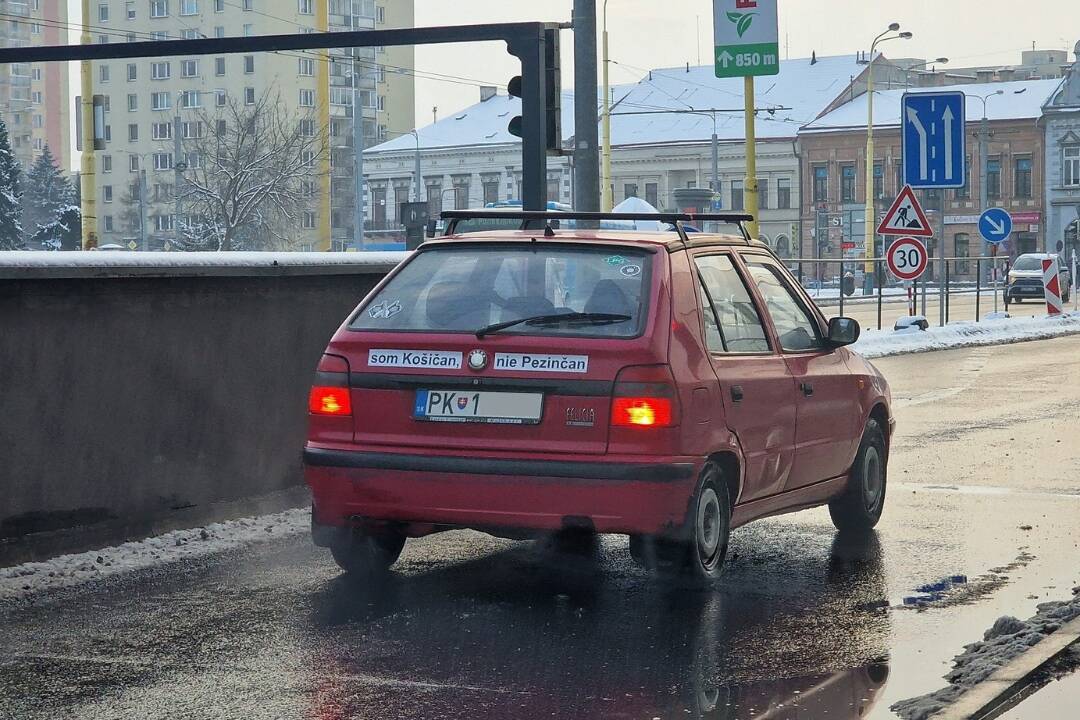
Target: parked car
<point x="1025" y="279"/>
<point x="662" y="385"/>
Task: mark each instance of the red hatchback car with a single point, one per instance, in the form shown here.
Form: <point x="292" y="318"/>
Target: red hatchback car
<point x="665" y="385"/>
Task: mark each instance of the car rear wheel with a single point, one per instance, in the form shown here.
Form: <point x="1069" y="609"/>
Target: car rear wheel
<point x="859" y="508"/>
<point x="367" y="553"/>
<point x="697" y="557"/>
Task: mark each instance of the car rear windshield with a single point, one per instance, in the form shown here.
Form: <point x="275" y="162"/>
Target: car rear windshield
<point x="464" y="288"/>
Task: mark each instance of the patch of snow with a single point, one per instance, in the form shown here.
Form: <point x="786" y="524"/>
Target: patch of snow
<point x="881" y="343"/>
<point x="126" y="259"/>
<point x="23" y="580"/>
<point x="1005" y="640"/>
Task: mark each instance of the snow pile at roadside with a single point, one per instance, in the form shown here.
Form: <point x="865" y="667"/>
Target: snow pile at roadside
<point x="126" y="259"/>
<point x="1007" y="639"/>
<point x="880" y="343"/>
<point x="32" y="577"/>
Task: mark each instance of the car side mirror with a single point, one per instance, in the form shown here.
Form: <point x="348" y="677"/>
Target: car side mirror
<point x="843" y="331"/>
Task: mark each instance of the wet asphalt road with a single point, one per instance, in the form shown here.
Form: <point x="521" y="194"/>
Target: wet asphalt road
<point x="804" y="625"/>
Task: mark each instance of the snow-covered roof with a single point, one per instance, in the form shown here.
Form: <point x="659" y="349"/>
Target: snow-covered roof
<point x="484" y="123"/>
<point x="806" y="87"/>
<point x="1020" y="100"/>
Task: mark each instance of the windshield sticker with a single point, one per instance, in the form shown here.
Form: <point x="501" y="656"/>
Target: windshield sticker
<point x="630" y="271"/>
<point x="385" y="310"/>
<point x="541" y="363"/>
<point x="414" y="359"/>
<point x="615" y="260"/>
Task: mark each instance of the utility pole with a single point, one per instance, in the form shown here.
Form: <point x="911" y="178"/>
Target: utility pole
<point x="751" y="157"/>
<point x="586" y="166"/>
<point x="87" y="177"/>
<point x="358" y="159"/>
<point x="143" y="235"/>
<point x="178" y="175"/>
<point x="606" y="201"/>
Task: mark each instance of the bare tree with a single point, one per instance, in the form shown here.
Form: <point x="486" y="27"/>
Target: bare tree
<point x="252" y="174"/>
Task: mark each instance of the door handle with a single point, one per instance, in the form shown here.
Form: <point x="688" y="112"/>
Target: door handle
<point x="807" y="389"/>
<point x="736" y="393"/>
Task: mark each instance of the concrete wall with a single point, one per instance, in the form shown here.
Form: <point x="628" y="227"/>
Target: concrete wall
<point x="135" y="392"/>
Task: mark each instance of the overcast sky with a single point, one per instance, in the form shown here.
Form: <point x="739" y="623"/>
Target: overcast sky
<point x="649" y="33"/>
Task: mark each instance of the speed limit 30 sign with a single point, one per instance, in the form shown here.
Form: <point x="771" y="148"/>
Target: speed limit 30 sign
<point x="907" y="258"/>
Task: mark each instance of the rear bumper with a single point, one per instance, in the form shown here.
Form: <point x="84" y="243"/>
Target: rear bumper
<point x="647" y="496"/>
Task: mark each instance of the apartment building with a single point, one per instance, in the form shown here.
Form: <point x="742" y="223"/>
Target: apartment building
<point x="34" y="100"/>
<point x="155" y="108"/>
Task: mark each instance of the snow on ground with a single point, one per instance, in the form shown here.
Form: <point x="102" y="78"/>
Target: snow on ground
<point x="32" y="577"/>
<point x="1008" y="638"/>
<point x="16" y="259"/>
<point x="880" y="343"/>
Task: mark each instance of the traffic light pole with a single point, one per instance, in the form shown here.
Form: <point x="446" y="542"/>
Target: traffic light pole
<point x="586" y="134"/>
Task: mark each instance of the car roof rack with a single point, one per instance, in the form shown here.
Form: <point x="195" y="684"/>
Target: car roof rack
<point x="529" y="217"/>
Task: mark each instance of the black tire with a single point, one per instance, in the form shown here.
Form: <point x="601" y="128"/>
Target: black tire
<point x="859" y="508"/>
<point x="697" y="557"/>
<point x="363" y="553"/>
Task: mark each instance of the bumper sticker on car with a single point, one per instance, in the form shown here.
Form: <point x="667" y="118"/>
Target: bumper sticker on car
<point x="414" y="359"/>
<point x="385" y="310"/>
<point x="541" y="363"/>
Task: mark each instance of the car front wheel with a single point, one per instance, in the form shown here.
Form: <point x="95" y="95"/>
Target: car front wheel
<point x="859" y="508"/>
<point x="364" y="553"/>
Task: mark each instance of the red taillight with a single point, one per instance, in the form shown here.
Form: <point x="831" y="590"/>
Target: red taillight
<point x="641" y="412"/>
<point x="329" y="401"/>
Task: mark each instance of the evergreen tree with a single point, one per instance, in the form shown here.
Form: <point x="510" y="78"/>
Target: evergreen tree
<point x="48" y="193"/>
<point x="11" y="234"/>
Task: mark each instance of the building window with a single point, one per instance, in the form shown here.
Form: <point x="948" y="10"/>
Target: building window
<point x="307" y="97"/>
<point x="763" y="193"/>
<point x="189" y="7"/>
<point x="961" y="249"/>
<point x="249" y="5"/>
<point x="219" y="98"/>
<point x="219" y="66"/>
<point x="380" y="14"/>
<point x="491" y="191"/>
<point x="630" y="190"/>
<point x="220" y="128"/>
<point x="132" y="102"/>
<point x="219" y="5"/>
<point x="783" y="194"/>
<point x="129" y="6"/>
<point x="553" y="190"/>
<point x="1070" y="166"/>
<point x="308" y="220"/>
<point x="652" y="194"/>
<point x="163" y="161"/>
<point x="159" y="8"/>
<point x="106" y="163"/>
<point x="108" y="223"/>
<point x="133" y="133"/>
<point x="306" y="67"/>
<point x="103" y="73"/>
<point x="160" y="70"/>
<point x="993" y="178"/>
<point x="249" y="29"/>
<point x="162" y="131"/>
<point x="304" y="7"/>
<point x="163" y="223"/>
<point x="132" y="72"/>
<point x="737" y="201"/>
<point x="964" y="191"/>
<point x="879" y="181"/>
<point x="194" y="160"/>
<point x="1022" y="177"/>
<point x="307" y="128"/>
<point x="249" y="64"/>
<point x="192" y="129"/>
<point x="847" y="183"/>
<point x="159" y="101"/>
<point x="821" y="183"/>
<point x="219" y="31"/>
<point x="106" y="193"/>
<point x="103" y="12"/>
<point x="189" y="68"/>
<point x="249" y="96"/>
<point x="133" y="166"/>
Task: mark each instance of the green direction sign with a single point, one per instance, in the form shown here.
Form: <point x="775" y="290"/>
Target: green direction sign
<point x="746" y="36"/>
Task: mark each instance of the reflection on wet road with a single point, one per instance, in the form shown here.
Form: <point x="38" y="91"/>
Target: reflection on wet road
<point x="804" y="624"/>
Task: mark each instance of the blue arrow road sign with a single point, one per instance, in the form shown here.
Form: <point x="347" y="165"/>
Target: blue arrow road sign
<point x="933" y="139"/>
<point x="995" y="225"/>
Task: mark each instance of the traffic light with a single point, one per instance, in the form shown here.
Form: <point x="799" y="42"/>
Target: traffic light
<point x="553" y="104"/>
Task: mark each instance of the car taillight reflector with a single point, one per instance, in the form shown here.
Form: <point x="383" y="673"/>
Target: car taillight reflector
<point x="329" y="401"/>
<point x="641" y="412"/>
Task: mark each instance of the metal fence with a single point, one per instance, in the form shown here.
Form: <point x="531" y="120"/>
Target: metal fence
<point x="970" y="288"/>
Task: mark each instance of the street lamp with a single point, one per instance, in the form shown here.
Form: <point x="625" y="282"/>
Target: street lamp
<point x="868" y="217"/>
<point x="605" y="174"/>
<point x="922" y="65"/>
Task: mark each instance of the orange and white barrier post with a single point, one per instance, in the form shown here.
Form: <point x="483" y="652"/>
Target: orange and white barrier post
<point x="1052" y="286"/>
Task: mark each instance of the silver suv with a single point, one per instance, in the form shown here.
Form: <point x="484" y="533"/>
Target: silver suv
<point x="1025" y="278"/>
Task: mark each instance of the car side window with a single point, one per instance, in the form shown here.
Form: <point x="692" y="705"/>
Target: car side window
<point x="738" y="327"/>
<point x="796" y="328"/>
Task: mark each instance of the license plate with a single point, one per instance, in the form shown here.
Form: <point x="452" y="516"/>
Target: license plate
<point x="504" y="408"/>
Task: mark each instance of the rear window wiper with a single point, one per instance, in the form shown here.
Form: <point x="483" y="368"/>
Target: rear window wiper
<point x="584" y="318"/>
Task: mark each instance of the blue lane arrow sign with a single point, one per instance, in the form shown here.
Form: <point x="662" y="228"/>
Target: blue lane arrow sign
<point x="995" y="225"/>
<point x="934" y="145"/>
